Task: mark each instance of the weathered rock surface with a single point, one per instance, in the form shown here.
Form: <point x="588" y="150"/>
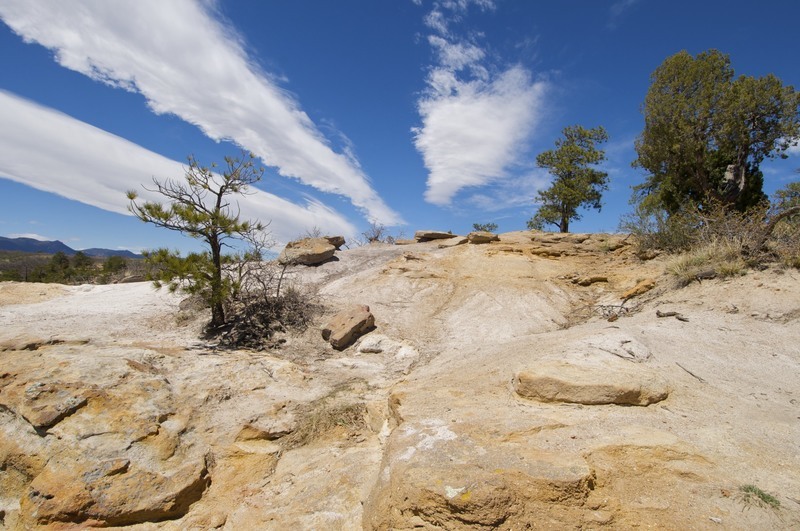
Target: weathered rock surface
<point x="427" y="235"/>
<point x="482" y="237"/>
<point x="308" y="251"/>
<point x="616" y="383"/>
<point x="443" y="475"/>
<point x="347" y="326"/>
<point x="418" y="427"/>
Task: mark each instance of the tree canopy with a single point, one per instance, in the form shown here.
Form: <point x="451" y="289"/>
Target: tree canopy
<point x="706" y="133"/>
<point x="577" y="184"/>
<point x="199" y="207"/>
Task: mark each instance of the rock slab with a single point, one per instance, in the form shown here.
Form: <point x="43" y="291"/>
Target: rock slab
<point x="347" y="326"/>
<point x="559" y="381"/>
<point x="427" y="235"/>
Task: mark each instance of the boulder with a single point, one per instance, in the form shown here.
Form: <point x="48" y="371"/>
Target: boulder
<point x="347" y="326"/>
<point x="559" y="381"/>
<point x="642" y="287"/>
<point x="308" y="251"/>
<point x="405" y="242"/>
<point x="428" y="235"/>
<point x="482" y="237"/>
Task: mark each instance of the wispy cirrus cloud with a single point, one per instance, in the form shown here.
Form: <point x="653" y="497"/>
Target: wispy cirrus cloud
<point x="95" y="167"/>
<point x="475" y="118"/>
<point x="186" y="62"/>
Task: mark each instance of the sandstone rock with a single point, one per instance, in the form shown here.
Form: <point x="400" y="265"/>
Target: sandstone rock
<point x="427" y="235"/>
<point x="452" y="242"/>
<point x="308" y="251"/>
<point x="559" y="381"/>
<point x="336" y="241"/>
<point x="405" y="242"/>
<point x="347" y="326"/>
<point x="482" y="237"/>
<point x="642" y="287"/>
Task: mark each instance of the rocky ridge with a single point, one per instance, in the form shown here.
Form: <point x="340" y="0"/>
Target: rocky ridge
<point x="508" y="384"/>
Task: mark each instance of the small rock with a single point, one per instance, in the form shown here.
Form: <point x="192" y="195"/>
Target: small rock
<point x="347" y="326"/>
<point x="642" y="287"/>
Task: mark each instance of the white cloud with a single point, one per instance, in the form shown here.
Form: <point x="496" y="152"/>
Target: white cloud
<point x="475" y="120"/>
<point x="794" y="150"/>
<point x="53" y="152"/>
<point x="185" y="62"/>
<point x="31" y="235"/>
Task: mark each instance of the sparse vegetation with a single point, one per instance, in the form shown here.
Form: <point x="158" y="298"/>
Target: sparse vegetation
<point x="751" y="494"/>
<point x="720" y="238"/>
<point x="484" y="227"/>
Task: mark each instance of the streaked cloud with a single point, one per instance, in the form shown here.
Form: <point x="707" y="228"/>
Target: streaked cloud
<point x="185" y="62"/>
<point x="53" y="152"/>
<point x="476" y="118"/>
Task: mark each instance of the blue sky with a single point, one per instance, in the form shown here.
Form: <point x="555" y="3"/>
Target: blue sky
<point x="417" y="114"/>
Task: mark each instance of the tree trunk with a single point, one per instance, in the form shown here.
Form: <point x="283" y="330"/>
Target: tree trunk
<point x="217" y="308"/>
<point x="564" y="225"/>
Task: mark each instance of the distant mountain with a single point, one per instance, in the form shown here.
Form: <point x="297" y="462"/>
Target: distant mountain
<point x="29" y="245"/>
<point x="105" y="253"/>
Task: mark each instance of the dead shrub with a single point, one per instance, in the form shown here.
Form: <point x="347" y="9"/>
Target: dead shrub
<point x="266" y="303"/>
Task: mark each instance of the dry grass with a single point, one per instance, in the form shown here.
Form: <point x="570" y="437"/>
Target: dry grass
<point x="725" y="258"/>
<point x="335" y="414"/>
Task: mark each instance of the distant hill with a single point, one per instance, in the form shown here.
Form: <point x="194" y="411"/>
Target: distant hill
<point x="29" y="245"/>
